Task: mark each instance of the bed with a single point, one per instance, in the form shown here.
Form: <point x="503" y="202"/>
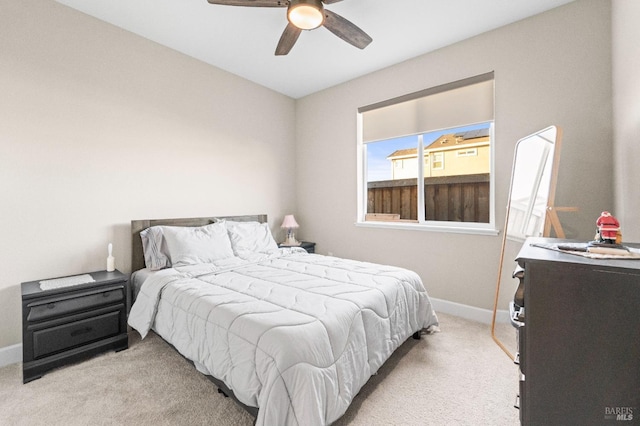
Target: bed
<point x="291" y="336"/>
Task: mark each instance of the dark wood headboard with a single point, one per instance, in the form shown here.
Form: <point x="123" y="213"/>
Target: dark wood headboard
<point x="137" y="255"/>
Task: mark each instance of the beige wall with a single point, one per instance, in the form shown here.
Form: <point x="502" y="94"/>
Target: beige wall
<point x="99" y="127"/>
<point x="626" y="103"/>
<point x="553" y="68"/>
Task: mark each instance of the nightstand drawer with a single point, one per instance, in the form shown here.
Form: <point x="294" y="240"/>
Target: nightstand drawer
<point x="62" y="305"/>
<point x="66" y="336"/>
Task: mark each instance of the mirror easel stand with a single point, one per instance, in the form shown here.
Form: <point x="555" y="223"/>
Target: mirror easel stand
<point x="551" y="219"/>
<point x="495" y="303"/>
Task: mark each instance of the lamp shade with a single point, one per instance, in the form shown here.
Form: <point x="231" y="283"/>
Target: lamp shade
<point x="289" y="222"/>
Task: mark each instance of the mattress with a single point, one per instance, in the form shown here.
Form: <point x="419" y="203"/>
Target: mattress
<point x="292" y="333"/>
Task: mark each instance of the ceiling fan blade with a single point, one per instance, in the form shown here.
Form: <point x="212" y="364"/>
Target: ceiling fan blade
<point x="346" y="30"/>
<point x="288" y="39"/>
<point x="330" y="1"/>
<point x="252" y="3"/>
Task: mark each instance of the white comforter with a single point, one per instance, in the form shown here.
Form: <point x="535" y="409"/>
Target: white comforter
<point x="292" y="333"/>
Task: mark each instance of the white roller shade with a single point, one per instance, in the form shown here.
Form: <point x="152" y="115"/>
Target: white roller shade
<point x="455" y="104"/>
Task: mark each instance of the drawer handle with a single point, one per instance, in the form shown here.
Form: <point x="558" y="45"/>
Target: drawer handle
<point x="80" y="331"/>
<point x="106" y="294"/>
<point x="51" y="305"/>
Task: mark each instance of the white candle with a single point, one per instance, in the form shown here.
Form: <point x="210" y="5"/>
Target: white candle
<point x="111" y="261"/>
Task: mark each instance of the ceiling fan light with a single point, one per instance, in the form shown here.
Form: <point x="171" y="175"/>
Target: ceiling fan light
<point x="306" y="14"/>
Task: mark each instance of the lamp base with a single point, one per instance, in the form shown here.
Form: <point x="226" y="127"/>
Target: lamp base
<point x="290" y="241"/>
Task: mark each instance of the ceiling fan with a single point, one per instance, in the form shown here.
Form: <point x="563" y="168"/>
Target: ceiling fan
<point x="307" y="15"/>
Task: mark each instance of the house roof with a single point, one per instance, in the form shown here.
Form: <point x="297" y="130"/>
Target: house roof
<point x="447" y="142"/>
<point x="401" y="153"/>
<point x="457" y="140"/>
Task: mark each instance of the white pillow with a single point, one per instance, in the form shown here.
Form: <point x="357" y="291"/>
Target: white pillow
<point x="156" y="254"/>
<point x="250" y="237"/>
<point x="193" y="245"/>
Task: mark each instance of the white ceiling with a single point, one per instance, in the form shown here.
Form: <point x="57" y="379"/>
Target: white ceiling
<point x="242" y="40"/>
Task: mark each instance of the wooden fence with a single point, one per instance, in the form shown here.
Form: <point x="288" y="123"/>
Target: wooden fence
<point x="463" y="198"/>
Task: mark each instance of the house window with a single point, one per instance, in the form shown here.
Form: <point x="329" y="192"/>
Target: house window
<point x="437" y="161"/>
<point x="467" y="153"/>
<point x="449" y="125"/>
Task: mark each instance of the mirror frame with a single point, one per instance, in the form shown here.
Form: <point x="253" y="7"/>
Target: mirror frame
<point x="551" y="218"/>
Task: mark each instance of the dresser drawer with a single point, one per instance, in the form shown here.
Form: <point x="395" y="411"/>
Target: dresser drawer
<point x="63" y="305"/>
<point x="522" y="400"/>
<point x="522" y="335"/>
<point x="66" y="336"/>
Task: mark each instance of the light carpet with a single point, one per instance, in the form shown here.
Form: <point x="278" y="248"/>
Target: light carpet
<point x="457" y="376"/>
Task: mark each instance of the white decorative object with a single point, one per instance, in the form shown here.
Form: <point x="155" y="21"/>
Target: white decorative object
<point x="111" y="261"/>
<point x="65" y="281"/>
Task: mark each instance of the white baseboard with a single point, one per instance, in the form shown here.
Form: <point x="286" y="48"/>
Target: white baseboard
<point x="469" y="312"/>
<point x="10" y="354"/>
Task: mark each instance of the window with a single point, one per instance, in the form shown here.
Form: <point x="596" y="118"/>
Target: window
<point x="451" y="186"/>
<point x="467" y="153"/>
<point x="437" y="161"/>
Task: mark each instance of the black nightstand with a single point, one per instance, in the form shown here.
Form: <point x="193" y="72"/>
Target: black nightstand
<point x="307" y="245"/>
<point x="66" y="324"/>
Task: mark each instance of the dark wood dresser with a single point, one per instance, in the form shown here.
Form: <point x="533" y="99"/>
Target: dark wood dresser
<point x="66" y="324"/>
<point x="579" y="339"/>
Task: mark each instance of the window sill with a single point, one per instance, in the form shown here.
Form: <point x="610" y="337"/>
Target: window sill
<point x="458" y="228"/>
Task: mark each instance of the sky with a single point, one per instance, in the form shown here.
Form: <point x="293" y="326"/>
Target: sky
<point x="379" y="168"/>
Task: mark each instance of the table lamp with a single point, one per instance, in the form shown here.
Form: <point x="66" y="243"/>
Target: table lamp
<point x="289" y="223"/>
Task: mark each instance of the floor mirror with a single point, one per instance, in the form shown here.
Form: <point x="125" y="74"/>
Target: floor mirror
<point x="530" y="205"/>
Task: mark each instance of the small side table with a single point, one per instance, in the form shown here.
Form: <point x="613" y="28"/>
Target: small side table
<point x="307" y="245"/>
<point x="66" y="324"/>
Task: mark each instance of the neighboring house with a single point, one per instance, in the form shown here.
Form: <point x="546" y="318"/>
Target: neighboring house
<point x="404" y="163"/>
<point x="453" y="154"/>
